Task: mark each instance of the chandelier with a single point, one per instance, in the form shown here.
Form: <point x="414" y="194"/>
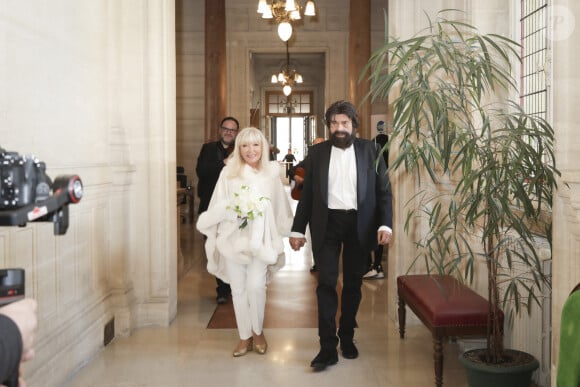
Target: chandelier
<point x="285" y="12"/>
<point x="288" y="105"/>
<point x="287" y="76"/>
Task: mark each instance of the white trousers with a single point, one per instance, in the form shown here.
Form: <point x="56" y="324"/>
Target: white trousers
<point x="248" y="284"/>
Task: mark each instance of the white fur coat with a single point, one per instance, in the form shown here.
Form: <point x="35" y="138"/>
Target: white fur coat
<point x="262" y="237"/>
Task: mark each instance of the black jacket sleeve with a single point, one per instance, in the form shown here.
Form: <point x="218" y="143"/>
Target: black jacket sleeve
<point x="10" y="351"/>
<point x="209" y="162"/>
<point x="209" y="165"/>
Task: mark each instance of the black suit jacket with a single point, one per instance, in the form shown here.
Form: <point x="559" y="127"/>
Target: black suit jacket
<point x="373" y="194"/>
<point x="209" y="165"/>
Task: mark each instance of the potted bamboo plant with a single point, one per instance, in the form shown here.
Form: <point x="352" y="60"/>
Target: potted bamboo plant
<point x="484" y="168"/>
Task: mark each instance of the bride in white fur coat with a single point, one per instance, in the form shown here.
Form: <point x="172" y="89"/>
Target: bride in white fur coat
<point x="247" y="218"/>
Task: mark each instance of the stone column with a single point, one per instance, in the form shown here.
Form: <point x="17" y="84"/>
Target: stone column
<point x="215" y="65"/>
<point x="359" y="51"/>
<point x="566" y="204"/>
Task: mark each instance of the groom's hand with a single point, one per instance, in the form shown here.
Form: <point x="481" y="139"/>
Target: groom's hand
<point x="297" y="243"/>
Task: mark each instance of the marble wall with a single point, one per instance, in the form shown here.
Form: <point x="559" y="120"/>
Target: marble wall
<point x="566" y="215"/>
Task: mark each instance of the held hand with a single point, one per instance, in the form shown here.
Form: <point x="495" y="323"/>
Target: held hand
<point x="384" y="237"/>
<point x="297" y="243"/>
<point x="298" y="179"/>
<point x="21" y="382"/>
<point x="23" y="313"/>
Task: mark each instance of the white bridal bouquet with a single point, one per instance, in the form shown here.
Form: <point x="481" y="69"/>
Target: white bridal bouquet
<point x="247" y="205"/>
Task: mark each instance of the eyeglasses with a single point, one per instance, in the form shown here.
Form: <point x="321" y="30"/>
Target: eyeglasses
<point x="229" y="129"/>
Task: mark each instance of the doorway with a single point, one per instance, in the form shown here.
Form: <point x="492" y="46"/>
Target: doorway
<point x="289" y="133"/>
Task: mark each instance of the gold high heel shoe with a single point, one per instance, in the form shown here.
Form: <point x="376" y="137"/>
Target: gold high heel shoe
<point x="261" y="348"/>
<point x="242" y="351"/>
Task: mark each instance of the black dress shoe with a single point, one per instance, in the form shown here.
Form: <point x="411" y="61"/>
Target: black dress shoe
<point x="324" y="359"/>
<point x="348" y="349"/>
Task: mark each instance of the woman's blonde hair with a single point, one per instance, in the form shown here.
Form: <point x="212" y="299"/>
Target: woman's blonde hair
<point x="248" y="136"/>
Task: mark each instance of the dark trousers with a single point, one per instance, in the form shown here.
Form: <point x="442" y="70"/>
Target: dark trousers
<point x="340" y="233"/>
<point x="375" y="259"/>
<point x="223" y="289"/>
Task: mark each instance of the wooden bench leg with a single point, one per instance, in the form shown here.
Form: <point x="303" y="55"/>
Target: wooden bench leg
<point x="438" y="359"/>
<point x="402" y="318"/>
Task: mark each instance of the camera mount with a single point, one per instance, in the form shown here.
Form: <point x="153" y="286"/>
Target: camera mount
<point x="66" y="189"/>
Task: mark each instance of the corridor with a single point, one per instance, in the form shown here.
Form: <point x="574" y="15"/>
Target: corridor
<point x="187" y="353"/>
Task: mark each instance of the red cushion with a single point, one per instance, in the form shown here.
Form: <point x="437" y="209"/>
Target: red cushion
<point x="443" y="300"/>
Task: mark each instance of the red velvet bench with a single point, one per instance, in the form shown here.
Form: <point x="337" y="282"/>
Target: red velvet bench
<point x="447" y="307"/>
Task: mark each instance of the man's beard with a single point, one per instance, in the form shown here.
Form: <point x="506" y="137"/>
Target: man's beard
<point x="227" y="143"/>
<point x="342" y="142"/>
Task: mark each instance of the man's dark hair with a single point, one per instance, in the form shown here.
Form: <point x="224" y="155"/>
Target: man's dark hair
<point x="230" y="119"/>
<point x="342" y="107"/>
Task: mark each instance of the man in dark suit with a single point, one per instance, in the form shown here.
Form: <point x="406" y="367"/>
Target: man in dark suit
<point x="375" y="266"/>
<point x="209" y="165"/>
<point x="346" y="199"/>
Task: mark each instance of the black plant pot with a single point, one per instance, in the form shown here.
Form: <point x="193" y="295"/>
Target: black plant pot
<point x="481" y="374"/>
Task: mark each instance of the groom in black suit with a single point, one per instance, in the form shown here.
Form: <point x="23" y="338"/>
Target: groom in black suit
<point x="346" y="199"/>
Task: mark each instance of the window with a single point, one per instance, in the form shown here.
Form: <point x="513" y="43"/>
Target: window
<point x="534" y="42"/>
<point x="296" y="103"/>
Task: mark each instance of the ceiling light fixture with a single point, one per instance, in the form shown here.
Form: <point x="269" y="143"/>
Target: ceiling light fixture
<point x="287" y="76"/>
<point x="288" y="104"/>
<point x="285" y="12"/>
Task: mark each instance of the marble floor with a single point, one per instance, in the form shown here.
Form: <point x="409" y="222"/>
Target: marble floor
<point x="188" y="354"/>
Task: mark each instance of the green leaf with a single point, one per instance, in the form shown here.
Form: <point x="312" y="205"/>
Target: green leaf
<point x="484" y="168"/>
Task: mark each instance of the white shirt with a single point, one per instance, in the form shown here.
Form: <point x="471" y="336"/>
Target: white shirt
<point x="342" y="179"/>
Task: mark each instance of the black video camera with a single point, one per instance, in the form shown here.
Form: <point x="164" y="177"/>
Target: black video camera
<point x="11" y="285"/>
<point x="23" y="180"/>
<point x="27" y="193"/>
